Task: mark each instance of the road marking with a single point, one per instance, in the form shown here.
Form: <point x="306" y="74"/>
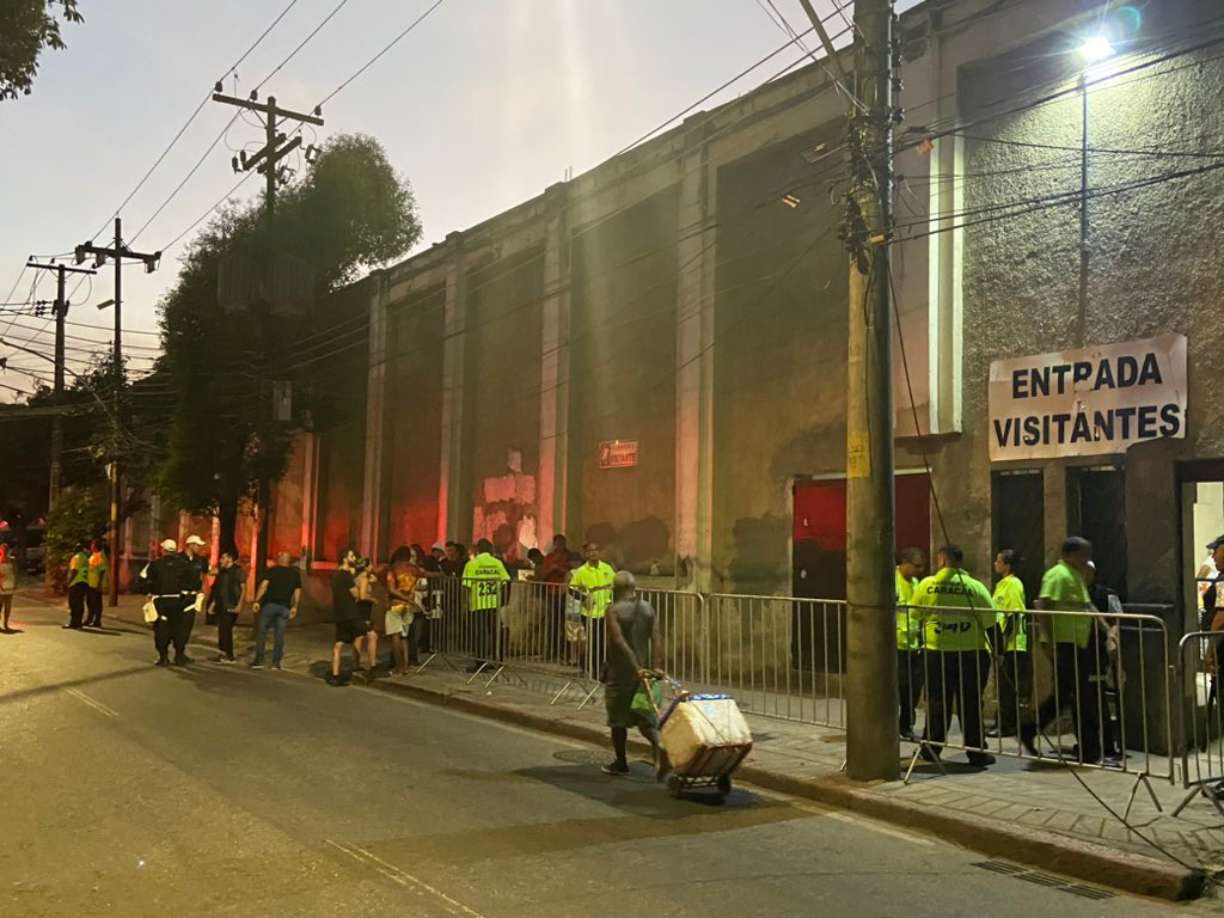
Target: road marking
<point x="396" y="875"/>
<point x="92" y="702"/>
<point x="872" y="826"/>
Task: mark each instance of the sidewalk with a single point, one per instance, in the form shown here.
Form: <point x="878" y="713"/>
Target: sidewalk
<point x="1031" y="813"/>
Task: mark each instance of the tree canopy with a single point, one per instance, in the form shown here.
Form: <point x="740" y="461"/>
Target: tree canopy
<point x="349" y="212"/>
<point x="27" y="27"/>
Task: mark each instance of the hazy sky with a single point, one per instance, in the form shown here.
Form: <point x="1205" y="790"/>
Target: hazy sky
<point x="482" y="106"/>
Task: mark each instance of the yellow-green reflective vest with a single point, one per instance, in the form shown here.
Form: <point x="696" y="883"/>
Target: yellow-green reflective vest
<point x="1009" y="600"/>
<point x="949" y="628"/>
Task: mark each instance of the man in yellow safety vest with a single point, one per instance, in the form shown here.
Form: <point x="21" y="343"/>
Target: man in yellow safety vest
<point x="956" y="615"/>
<point x="594" y="581"/>
<point x="484" y="576"/>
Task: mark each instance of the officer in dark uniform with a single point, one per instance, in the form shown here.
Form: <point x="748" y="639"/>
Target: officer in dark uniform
<point x="195" y="558"/>
<point x="165" y="579"/>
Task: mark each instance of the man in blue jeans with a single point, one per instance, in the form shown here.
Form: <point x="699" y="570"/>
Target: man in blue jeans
<point x="276" y="601"/>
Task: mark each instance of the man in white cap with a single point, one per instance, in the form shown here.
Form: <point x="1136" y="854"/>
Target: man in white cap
<point x="165" y="577"/>
<point x="195" y="554"/>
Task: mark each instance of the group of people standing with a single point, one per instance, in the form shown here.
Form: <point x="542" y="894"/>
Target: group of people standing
<point x="88" y="578"/>
<point x="952" y="632"/>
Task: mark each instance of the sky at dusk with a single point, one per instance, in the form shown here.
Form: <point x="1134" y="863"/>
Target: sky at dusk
<point x="482" y="106"/>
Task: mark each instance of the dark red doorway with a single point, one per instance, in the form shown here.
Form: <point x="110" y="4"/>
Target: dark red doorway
<point x="820" y="530"/>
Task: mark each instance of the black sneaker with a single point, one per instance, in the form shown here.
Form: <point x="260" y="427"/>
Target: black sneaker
<point x="162" y="661"/>
<point x="616" y="769"/>
<point x="928" y="753"/>
<point x="180" y="661"/>
<point x="981" y="759"/>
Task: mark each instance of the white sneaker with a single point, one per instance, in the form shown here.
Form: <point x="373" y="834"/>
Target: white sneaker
<point x="257" y="666"/>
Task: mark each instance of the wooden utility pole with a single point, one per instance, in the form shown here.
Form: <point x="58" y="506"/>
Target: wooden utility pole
<point x="872" y="743"/>
<point x="60" y="312"/>
<point x="276" y="147"/>
<point x="151" y="260"/>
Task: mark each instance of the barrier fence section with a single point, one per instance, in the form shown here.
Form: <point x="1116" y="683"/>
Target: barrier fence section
<point x="1046" y="677"/>
<point x="1081" y="688"/>
<point x="780" y="656"/>
<point x="1199" y="656"/>
<point x="496" y="628"/>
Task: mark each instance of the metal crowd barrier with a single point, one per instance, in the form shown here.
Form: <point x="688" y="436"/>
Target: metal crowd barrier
<point x="1086" y="677"/>
<point x="1199" y="655"/>
<point x="780" y="656"/>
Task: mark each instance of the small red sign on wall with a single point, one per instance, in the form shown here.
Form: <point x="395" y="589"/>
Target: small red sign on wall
<point x="618" y="454"/>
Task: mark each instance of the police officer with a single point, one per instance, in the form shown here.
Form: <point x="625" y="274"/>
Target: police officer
<point x="956" y="616"/>
<point x="165" y="578"/>
<point x="196" y="558"/>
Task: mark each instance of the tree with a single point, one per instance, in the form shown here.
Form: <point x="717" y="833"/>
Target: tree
<point x="78" y="519"/>
<point x="348" y="213"/>
<point x="26" y="28"/>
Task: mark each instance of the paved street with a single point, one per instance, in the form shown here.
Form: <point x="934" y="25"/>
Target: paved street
<point x="221" y="791"/>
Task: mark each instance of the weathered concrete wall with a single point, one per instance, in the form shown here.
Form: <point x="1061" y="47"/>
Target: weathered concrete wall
<point x="1153" y="251"/>
<point x="501" y="413"/>
<point x="622" y="380"/>
<point x="780" y="360"/>
<point x="412" y="430"/>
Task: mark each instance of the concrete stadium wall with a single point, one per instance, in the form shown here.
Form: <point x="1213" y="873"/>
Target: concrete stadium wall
<point x="1154" y="255"/>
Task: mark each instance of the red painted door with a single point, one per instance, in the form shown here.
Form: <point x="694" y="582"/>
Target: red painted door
<point x="820" y="531"/>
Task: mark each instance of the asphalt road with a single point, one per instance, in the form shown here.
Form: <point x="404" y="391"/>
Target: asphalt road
<point x="132" y="791"/>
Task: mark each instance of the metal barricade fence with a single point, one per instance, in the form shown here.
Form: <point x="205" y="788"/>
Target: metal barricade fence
<point x="780" y="656"/>
<point x="1199" y="655"/>
<point x="1046" y="676"/>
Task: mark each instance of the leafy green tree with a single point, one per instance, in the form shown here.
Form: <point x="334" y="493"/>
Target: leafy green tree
<point x="26" y="28"/>
<point x="348" y="213"/>
<point x="78" y="519"/>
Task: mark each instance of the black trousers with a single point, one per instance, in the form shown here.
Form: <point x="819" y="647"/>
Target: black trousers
<point x="76" y="604"/>
<point x="484" y="634"/>
<point x="93" y="607"/>
<point x="225" y="633"/>
<point x="954" y="683"/>
<point x="186" y="624"/>
<point x="1076" y="689"/>
<point x="168" y="624"/>
<point x="909" y="685"/>
<point x="1015" y="682"/>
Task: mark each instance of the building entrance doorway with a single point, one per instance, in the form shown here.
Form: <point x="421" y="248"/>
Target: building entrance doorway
<point x="819" y="557"/>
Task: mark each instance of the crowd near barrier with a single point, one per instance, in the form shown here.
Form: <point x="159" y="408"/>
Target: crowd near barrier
<point x="1098" y="690"/>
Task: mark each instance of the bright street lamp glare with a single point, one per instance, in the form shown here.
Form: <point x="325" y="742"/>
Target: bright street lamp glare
<point x="1096" y="49"/>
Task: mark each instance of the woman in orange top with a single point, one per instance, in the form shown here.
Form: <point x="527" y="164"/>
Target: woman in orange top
<point x="401" y="585"/>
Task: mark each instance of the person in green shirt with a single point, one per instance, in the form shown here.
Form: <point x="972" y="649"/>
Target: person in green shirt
<point x="1014" y="672"/>
<point x="593" y="580"/>
<point x="484" y="576"/>
<point x="909" y="644"/>
<point x="956" y="615"/>
<point x="78" y="576"/>
<point x="1063" y="589"/>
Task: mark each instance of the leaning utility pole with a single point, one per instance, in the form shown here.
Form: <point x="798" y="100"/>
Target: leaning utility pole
<point x="276" y="147"/>
<point x="60" y="311"/>
<point x="872" y="745"/>
<point x="151" y="260"/>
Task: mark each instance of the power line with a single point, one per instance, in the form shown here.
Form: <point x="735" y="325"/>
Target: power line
<point x="174" y="140"/>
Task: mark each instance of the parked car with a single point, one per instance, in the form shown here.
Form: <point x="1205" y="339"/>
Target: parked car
<point x="35" y="550"/>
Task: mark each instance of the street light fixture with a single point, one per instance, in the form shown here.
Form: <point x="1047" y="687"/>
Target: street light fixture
<point x="106" y="304"/>
<point x="1096" y="48"/>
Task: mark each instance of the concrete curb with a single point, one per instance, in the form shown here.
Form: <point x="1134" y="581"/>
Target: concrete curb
<point x="1132" y="873"/>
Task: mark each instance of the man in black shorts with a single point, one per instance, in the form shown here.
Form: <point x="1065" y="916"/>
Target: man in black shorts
<point x="350" y="628"/>
<point x="632" y="633"/>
